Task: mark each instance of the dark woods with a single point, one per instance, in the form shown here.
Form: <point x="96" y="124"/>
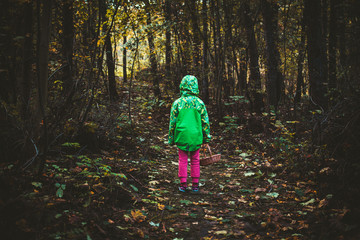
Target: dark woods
<point x="69" y="70"/>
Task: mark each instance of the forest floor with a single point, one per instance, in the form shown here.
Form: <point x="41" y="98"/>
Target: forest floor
<point x="129" y="189"/>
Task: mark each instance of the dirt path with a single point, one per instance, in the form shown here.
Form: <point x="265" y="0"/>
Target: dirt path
<point x="244" y="196"/>
<point x="236" y="200"/>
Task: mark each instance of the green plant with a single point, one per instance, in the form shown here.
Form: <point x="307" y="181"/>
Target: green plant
<point x="60" y="189"/>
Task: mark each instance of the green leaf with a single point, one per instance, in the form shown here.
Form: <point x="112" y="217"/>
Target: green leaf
<point x="248" y="174"/>
<point x="308" y="202"/>
<point x="246" y="190"/>
<point x="272" y="175"/>
<point x="60" y="192"/>
<point x="244" y="155"/>
<point x="37" y="184"/>
<point x="135" y="188"/>
<point x="70" y="144"/>
<point x="122" y="228"/>
<point x="154" y="224"/>
<point x="186" y="202"/>
<point x="272" y="194"/>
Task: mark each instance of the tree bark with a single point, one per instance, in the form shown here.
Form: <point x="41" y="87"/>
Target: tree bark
<point x="27" y="59"/>
<point x="43" y="52"/>
<point x="125" y="50"/>
<point x="205" y="80"/>
<point x="332" y="44"/>
<point x="316" y="62"/>
<point x="300" y="64"/>
<point x="110" y="63"/>
<point x="67" y="49"/>
<point x="227" y="55"/>
<point x="167" y="39"/>
<point x="254" y="78"/>
<point x="42" y="68"/>
<point x="196" y="35"/>
<point x="274" y="76"/>
<point x="124" y="60"/>
<point x="153" y="62"/>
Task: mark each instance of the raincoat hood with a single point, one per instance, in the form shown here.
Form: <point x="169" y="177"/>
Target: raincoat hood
<point x="189" y="86"/>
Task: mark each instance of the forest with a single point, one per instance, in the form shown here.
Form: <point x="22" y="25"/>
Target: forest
<point x="85" y="98"/>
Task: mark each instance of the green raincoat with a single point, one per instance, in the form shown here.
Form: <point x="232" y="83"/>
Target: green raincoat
<point x="189" y="121"/>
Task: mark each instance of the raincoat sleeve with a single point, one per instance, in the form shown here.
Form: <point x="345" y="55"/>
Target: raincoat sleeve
<point x="173" y="115"/>
<point x="205" y="125"/>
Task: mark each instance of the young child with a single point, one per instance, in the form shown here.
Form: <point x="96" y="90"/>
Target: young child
<point x="189" y="128"/>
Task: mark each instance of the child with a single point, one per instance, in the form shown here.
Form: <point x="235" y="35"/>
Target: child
<point x="189" y="128"/>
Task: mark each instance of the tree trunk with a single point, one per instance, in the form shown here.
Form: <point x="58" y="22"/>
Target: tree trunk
<point x="111" y="68"/>
<point x="27" y="58"/>
<point x="124" y="50"/>
<point x="68" y="38"/>
<point x="205" y="81"/>
<point x="124" y="61"/>
<point x="110" y="63"/>
<point x="167" y="39"/>
<point x="42" y="68"/>
<point x="254" y="78"/>
<point x="332" y="44"/>
<point x="342" y="43"/>
<point x="153" y="62"/>
<point x="227" y="55"/>
<point x="300" y="64"/>
<point x="219" y="57"/>
<point x="43" y="53"/>
<point x="274" y="76"/>
<point x="243" y="73"/>
<point x="196" y="35"/>
<point x="315" y="52"/>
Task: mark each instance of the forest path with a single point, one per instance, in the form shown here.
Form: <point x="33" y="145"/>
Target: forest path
<point x="249" y="194"/>
<point x="236" y="200"/>
<point x="246" y="195"/>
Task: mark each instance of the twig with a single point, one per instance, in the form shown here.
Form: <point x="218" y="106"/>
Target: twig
<point x="136" y="180"/>
<point x="31" y="160"/>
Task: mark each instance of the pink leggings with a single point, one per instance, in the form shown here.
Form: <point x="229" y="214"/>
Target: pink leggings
<point x="195" y="165"/>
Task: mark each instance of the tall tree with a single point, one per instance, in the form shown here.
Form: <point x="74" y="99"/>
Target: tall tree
<point x="110" y="63"/>
<point x="43" y="51"/>
<point x="300" y="88"/>
<point x="167" y="10"/>
<point x="274" y="76"/>
<point x="254" y="77"/>
<point x="124" y="46"/>
<point x="228" y="79"/>
<point x="219" y="55"/>
<point x="68" y="39"/>
<point x="315" y="48"/>
<point x="332" y="44"/>
<point x="192" y="7"/>
<point x="152" y="53"/>
<point x="44" y="9"/>
<point x="27" y="58"/>
<point x="205" y="67"/>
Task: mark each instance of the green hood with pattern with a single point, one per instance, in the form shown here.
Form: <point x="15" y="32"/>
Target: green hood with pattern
<point x="189" y="86"/>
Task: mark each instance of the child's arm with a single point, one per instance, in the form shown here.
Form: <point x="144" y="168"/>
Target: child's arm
<point x="205" y="125"/>
<point x="173" y="115"/>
